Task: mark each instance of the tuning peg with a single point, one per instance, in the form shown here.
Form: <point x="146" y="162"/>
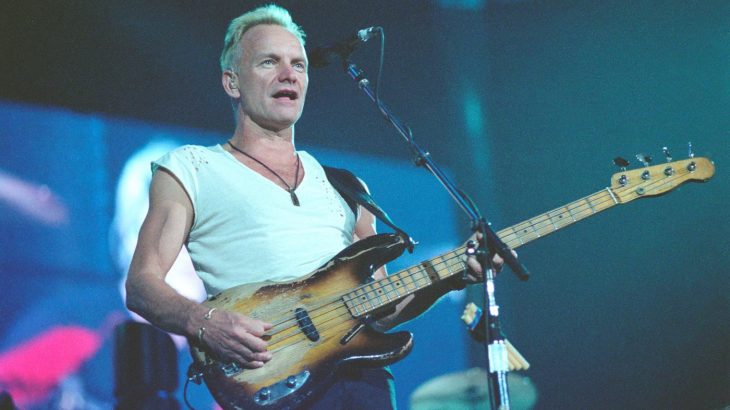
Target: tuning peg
<point x="644" y="159"/>
<point x="666" y="153"/>
<point x="691" y="153"/>
<point x="621" y="163"/>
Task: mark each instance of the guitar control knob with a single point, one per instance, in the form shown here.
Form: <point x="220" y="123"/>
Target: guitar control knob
<point x="291" y="382"/>
<point x="264" y="394"/>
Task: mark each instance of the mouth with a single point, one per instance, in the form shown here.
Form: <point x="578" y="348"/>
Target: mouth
<point x="286" y="95"/>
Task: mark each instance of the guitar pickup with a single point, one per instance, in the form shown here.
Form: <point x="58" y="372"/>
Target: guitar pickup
<point x="306" y="325"/>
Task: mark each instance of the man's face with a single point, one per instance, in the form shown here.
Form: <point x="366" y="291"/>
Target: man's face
<point x="273" y="77"/>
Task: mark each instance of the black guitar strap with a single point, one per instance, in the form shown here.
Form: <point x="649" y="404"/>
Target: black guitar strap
<point x="354" y="193"/>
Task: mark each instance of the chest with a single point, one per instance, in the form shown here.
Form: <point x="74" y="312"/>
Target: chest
<point x="286" y="173"/>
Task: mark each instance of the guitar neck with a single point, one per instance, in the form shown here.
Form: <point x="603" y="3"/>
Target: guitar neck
<point x="375" y="295"/>
<point x="549" y="222"/>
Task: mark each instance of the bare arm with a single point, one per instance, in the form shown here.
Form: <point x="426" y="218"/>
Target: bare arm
<point x="230" y="336"/>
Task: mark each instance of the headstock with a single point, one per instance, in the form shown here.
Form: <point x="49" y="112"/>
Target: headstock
<point x="659" y="179"/>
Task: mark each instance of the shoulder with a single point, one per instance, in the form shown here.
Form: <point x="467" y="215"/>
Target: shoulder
<point x="188" y="156"/>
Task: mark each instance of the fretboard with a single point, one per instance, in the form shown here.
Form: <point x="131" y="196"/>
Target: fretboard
<point x="375" y="295"/>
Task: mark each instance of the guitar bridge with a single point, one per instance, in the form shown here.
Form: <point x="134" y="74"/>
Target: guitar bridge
<point x="276" y="391"/>
<point x="230" y="369"/>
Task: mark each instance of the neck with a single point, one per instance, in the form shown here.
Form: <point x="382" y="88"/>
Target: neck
<point x="258" y="141"/>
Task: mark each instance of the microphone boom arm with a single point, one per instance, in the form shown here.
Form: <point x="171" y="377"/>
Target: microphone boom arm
<point x="422" y="158"/>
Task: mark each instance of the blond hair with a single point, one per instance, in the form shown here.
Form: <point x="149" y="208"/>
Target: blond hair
<point x="268" y="14"/>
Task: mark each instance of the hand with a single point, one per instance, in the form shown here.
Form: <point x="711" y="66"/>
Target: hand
<point x="474" y="274"/>
<point x="233" y="337"/>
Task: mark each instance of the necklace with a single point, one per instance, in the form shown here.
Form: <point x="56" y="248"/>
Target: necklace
<point x="289" y="188"/>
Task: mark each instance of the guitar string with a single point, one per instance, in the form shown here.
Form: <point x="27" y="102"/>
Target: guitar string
<point x="316" y="312"/>
<point x="347" y="318"/>
<point x="602" y="194"/>
<point x="545" y="217"/>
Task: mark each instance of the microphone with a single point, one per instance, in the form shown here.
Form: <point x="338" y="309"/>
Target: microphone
<point x="319" y="57"/>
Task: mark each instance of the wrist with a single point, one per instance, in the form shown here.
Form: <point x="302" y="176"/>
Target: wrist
<point x="200" y="331"/>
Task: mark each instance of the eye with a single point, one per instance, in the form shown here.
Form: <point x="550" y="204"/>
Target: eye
<point x="268" y="62"/>
<point x="300" y="67"/>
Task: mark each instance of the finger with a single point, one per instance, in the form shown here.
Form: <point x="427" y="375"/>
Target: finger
<point x="253" y="365"/>
<point x="256" y="327"/>
<point x="244" y="355"/>
<point x="474" y="264"/>
<point x="251" y="356"/>
<point x="254" y="343"/>
<point x="262" y="357"/>
<point x="497" y="260"/>
<point x="497" y="263"/>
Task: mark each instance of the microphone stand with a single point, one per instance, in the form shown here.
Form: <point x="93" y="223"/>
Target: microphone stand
<point x="487" y="247"/>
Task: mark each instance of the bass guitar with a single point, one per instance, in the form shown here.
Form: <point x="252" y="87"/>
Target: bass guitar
<point x="321" y="322"/>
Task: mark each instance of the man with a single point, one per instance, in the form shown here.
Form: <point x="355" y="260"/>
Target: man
<point x="248" y="211"/>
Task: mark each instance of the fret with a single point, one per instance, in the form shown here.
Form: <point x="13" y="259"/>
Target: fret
<point x="504" y="235"/>
<point x="374" y="292"/>
<point x="435" y="264"/>
<point x="410" y="276"/>
<point x="422" y="279"/>
<point x="607" y="200"/>
<point x="394" y="288"/>
<point x="588" y="201"/>
<point x="355" y="301"/>
<point x="546" y="226"/>
<point x="550" y="218"/>
<point x="384" y="292"/>
<point x="398" y="278"/>
<point x="365" y="297"/>
<point x="524" y="232"/>
<point x="352" y="307"/>
<point x="576" y="207"/>
<point x="558" y="215"/>
<point x="448" y="268"/>
<point x="567" y="208"/>
<point x="615" y="201"/>
<point x="518" y="236"/>
<point x="533" y="229"/>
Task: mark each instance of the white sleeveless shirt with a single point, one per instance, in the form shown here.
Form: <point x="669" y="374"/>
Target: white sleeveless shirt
<point x="245" y="227"/>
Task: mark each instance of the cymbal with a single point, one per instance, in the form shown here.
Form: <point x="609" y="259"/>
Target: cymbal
<point x="468" y="389"/>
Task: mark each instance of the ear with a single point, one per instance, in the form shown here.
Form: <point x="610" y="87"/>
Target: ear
<point x="229" y="79"/>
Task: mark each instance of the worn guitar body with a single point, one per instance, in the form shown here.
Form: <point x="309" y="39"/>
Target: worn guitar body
<point x="307" y="349"/>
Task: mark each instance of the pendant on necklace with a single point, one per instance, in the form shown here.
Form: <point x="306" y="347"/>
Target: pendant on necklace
<point x="294" y="198"/>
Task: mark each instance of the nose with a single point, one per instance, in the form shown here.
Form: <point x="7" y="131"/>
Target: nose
<point x="287" y="74"/>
